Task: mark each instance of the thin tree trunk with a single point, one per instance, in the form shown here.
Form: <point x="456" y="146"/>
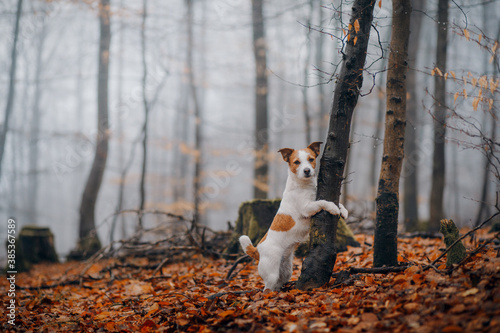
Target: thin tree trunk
<point x="386" y="228"/>
<point x="89" y="242"/>
<point x="483" y="207"/>
<point x="439" y="158"/>
<point x="305" y="87"/>
<point x="261" y="164"/>
<point x="142" y="185"/>
<point x="318" y="265"/>
<point x="35" y="130"/>
<point x="12" y="85"/>
<point x="197" y="114"/>
<point x="410" y="165"/>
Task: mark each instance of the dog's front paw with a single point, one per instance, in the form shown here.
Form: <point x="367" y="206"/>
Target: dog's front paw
<point x="343" y="212"/>
<point x="331" y="208"/>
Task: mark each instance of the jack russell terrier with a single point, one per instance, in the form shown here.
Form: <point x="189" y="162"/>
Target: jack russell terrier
<point x="291" y="223"/>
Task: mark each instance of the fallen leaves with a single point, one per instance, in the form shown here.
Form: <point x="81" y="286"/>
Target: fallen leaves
<point x="193" y="296"/>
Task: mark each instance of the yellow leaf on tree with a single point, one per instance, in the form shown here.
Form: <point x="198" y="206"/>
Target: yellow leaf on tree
<point x="474" y="81"/>
<point x="455" y="97"/>
<point x="494" y="49"/>
<point x="465" y="93"/>
<point x="483" y="82"/>
<point x="356" y="26"/>
<point x="490" y="104"/>
<point x="445" y="76"/>
<point x="439" y="72"/>
<point x="453" y="74"/>
<point x="479" y="38"/>
<point x="475" y="103"/>
<point x="355" y="40"/>
<point x="466" y="34"/>
<point x="492" y="57"/>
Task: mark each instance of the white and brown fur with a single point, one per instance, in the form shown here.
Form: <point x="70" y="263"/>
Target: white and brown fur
<point x="291" y="223"/>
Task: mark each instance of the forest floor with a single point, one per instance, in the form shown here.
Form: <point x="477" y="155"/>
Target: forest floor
<point x="193" y="295"/>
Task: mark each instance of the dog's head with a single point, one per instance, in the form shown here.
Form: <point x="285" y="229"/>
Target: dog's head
<point x="302" y="162"/>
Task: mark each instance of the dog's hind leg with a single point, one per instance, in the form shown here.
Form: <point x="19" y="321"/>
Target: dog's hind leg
<point x="269" y="270"/>
<point x="286" y="268"/>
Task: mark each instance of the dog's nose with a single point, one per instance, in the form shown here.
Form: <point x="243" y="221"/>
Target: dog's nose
<point x="307" y="172"/>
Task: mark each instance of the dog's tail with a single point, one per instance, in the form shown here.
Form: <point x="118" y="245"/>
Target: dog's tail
<point x="249" y="249"/>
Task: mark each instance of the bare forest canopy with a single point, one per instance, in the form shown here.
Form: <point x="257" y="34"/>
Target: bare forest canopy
<point x="180" y="117"/>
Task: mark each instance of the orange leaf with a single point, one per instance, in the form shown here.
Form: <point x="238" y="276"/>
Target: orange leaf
<point x="380" y="4"/>
<point x="355" y="40"/>
<point x="356" y="26"/>
<point x="466" y="34"/>
<point x="475" y="103"/>
<point x="455" y="97"/>
<point x="226" y="313"/>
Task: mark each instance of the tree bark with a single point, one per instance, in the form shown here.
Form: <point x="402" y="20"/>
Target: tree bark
<point x="410" y="163"/>
<point x="439" y="158"/>
<point x="386" y="228"/>
<point x="261" y="165"/>
<point x="142" y="185"/>
<point x="89" y="242"/>
<point x="318" y="265"/>
<point x="12" y="85"/>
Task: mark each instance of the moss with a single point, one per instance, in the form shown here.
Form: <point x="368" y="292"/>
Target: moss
<point x="451" y="234"/>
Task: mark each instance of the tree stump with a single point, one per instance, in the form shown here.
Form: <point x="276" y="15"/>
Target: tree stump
<point x="36" y="245"/>
<point x="451" y="234"/>
<point x="255" y="218"/>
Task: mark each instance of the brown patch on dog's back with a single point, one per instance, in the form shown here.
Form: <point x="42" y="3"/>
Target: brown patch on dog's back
<point x="282" y="222"/>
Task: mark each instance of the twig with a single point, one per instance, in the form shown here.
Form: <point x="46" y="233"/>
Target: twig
<point x="164" y="261"/>
<point x="245" y="258"/>
<point x="472" y="253"/>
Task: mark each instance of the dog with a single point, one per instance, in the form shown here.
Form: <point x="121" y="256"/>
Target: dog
<point x="291" y="224"/>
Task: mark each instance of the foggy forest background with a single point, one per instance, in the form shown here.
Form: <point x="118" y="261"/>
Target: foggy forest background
<point x="50" y="140"/>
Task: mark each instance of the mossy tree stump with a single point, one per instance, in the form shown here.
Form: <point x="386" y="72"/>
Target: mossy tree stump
<point x="34" y="245"/>
<point x="255" y="218"/>
<point x="451" y="234"/>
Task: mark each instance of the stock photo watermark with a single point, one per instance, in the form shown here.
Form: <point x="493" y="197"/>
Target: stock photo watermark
<point x="11" y="272"/>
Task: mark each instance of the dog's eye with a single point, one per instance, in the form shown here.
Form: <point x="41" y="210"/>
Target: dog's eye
<point x="311" y="160"/>
<point x="296" y="162"/>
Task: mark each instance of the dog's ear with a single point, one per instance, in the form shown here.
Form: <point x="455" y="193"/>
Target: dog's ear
<point x="286" y="152"/>
<point x="315" y="147"/>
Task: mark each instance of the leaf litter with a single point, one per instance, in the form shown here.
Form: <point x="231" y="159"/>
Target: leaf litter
<point x="194" y="296"/>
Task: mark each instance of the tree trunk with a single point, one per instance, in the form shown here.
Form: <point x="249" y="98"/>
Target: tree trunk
<point x="89" y="242"/>
<point x="12" y="85"/>
<point x="438" y="160"/>
<point x="261" y="165"/>
<point x="197" y="113"/>
<point x="482" y="212"/>
<point x="386" y="229"/>
<point x="142" y="186"/>
<point x="410" y="163"/>
<point x="35" y="130"/>
<point x="318" y="265"/>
